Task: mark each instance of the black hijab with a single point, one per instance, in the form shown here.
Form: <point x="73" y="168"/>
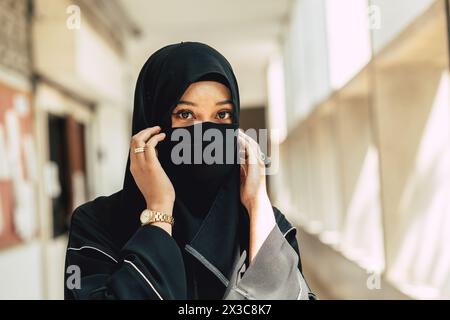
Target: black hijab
<point x="206" y="212"/>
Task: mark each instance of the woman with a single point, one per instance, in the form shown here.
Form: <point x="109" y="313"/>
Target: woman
<point x="185" y="230"/>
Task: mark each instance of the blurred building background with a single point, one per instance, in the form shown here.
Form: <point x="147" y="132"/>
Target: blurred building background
<point x="358" y="91"/>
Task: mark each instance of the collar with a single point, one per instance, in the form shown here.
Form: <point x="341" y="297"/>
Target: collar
<point x="218" y="239"/>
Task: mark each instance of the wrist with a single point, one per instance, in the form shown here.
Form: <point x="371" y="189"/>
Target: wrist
<point x="260" y="200"/>
<point x="261" y="211"/>
<point x="164" y="207"/>
<point x="158" y="218"/>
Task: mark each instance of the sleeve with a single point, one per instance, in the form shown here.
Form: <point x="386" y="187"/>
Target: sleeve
<point x="275" y="272"/>
<point x="149" y="266"/>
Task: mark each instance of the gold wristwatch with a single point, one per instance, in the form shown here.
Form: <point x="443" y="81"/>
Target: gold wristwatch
<point x="150" y="216"/>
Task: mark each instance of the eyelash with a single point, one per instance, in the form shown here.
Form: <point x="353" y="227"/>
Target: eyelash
<point x="230" y="114"/>
<point x="180" y="112"/>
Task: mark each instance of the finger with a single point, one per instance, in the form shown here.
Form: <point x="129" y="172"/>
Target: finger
<point x="256" y="156"/>
<point x="150" y="147"/>
<point x="242" y="150"/>
<point x="140" y="139"/>
<point x="242" y="155"/>
<point x="250" y="146"/>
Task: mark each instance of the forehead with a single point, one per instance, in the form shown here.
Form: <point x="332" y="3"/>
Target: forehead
<point x="207" y="88"/>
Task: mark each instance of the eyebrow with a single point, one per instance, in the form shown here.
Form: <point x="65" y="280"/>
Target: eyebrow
<point x="221" y="103"/>
<point x="189" y="103"/>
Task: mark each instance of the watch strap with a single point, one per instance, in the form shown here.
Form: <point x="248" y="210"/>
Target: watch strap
<point x="157" y="216"/>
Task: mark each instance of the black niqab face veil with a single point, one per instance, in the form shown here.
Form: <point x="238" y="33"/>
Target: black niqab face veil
<point x="162" y="81"/>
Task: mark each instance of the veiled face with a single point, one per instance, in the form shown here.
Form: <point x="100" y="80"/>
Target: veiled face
<point x="203" y="101"/>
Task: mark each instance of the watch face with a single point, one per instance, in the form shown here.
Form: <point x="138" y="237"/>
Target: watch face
<point x="145" y="216"/>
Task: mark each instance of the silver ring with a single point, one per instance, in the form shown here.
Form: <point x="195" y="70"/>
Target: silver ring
<point x="262" y="156"/>
<point x="139" y="150"/>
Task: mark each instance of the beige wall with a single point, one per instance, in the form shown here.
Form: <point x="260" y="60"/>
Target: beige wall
<point x="22" y="270"/>
<point x="84" y="77"/>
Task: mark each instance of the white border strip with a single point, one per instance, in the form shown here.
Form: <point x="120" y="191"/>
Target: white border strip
<point x="145" y="278"/>
<point x="300" y="282"/>
<point x="286" y="233"/>
<point x="94" y="248"/>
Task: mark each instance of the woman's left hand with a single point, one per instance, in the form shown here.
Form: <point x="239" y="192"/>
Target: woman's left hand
<point x="254" y="193"/>
<point x="253" y="178"/>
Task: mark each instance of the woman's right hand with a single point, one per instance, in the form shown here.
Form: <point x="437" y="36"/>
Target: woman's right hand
<point x="148" y="173"/>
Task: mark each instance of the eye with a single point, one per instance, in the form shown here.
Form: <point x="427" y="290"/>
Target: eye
<point x="184" y="114"/>
<point x="224" y="115"/>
